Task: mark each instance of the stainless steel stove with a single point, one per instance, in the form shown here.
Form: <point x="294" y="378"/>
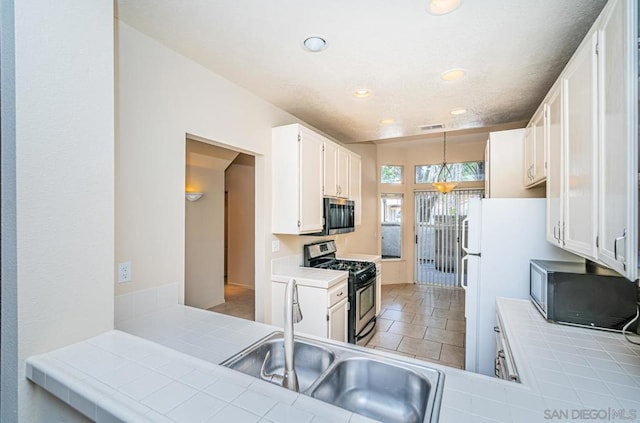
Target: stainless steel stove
<point x="362" y="289"/>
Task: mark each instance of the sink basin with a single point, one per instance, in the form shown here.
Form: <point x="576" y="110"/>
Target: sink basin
<point x="311" y="360"/>
<point x="375" y="389"/>
<point x="359" y="380"/>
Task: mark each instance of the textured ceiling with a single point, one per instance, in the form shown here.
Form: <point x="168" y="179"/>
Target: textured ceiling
<point x="512" y="51"/>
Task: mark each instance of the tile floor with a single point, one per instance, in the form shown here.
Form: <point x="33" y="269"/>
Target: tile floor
<point x="239" y="302"/>
<point x="425" y="322"/>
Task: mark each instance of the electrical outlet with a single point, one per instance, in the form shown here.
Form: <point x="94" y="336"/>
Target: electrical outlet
<point x="124" y="272"/>
<point x="275" y="245"/>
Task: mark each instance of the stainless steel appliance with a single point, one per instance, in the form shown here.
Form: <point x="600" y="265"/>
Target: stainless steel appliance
<point x="361" y="323"/>
<point x="339" y="216"/>
<point x="582" y="294"/>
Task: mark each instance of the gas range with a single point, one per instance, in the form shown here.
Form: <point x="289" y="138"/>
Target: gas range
<point x="362" y="277"/>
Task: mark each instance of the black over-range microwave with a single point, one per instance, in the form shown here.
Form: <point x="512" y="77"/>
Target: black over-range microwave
<point x="583" y="294"/>
<point x="339" y="216"/>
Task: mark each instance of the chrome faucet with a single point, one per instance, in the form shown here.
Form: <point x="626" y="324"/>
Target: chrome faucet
<point x="292" y="314"/>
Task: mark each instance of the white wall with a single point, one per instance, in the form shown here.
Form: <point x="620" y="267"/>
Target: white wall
<point x="64" y="183"/>
<point x="204" y="245"/>
<point x="240" y="187"/>
<point x="162" y="97"/>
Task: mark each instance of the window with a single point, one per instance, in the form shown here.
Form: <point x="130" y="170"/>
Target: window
<point x="460" y="172"/>
<point x="391" y="216"/>
<point x="390" y="174"/>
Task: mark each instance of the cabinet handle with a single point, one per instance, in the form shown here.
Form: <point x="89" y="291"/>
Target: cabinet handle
<point x="615" y="244"/>
<point x="340" y="294"/>
<point x="556" y="237"/>
<point x="496" y="329"/>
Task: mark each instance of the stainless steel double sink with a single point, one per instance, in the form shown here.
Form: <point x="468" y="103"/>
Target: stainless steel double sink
<point x="359" y="381"/>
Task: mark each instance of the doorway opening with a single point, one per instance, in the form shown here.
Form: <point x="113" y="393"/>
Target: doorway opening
<point x="220" y="230"/>
<point x="438" y="232"/>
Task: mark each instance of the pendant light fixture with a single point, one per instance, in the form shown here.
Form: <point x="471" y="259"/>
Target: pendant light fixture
<point x="443" y="182"/>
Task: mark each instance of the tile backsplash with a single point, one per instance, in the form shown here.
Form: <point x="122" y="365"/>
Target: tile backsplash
<point x="138" y="303"/>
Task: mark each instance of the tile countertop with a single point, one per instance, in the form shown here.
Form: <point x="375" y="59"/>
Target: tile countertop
<point x="310" y="276"/>
<point x="572" y="367"/>
<point x="172" y="374"/>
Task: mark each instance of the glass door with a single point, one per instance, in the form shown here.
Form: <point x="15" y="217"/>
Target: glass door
<point x="438" y="231"/>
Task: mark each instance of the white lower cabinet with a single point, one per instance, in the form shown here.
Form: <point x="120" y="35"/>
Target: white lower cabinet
<point x="324" y="310"/>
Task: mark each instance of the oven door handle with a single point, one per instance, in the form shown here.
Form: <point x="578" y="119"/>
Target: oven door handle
<point x="366" y="285"/>
<point x="371" y="322"/>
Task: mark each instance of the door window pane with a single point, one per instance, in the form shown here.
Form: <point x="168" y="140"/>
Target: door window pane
<point x="391" y="213"/>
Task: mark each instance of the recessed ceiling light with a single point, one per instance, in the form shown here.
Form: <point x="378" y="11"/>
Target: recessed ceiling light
<point x="453" y="74"/>
<point x="442" y="7"/>
<point x="459" y="111"/>
<point x="387" y="121"/>
<point x="361" y="93"/>
<point x="315" y="44"/>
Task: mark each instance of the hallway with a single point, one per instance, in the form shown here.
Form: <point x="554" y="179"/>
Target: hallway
<point x="239" y="302"/>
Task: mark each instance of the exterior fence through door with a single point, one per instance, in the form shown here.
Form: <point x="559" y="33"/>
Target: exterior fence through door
<point x="438" y="226"/>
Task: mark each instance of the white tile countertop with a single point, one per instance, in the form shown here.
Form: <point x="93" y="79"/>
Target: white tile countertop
<point x="571" y="367"/>
<point x="172" y="375"/>
<point x="310" y="276"/>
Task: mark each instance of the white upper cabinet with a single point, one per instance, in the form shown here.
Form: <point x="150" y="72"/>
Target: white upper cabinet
<point x="580" y="162"/>
<point x="618" y="154"/>
<point x="296" y="180"/>
<point x="592" y="146"/>
<point x="555" y="154"/>
<point x="355" y="185"/>
<point x="336" y="170"/>
<point x="535" y="140"/>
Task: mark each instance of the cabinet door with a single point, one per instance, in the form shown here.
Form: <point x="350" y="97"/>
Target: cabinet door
<point x="539" y="141"/>
<point x="337" y="321"/>
<point x="330" y="169"/>
<point x="355" y="186"/>
<point x="342" y="172"/>
<point x="580" y="118"/>
<point x="311" y="213"/>
<point x="618" y="140"/>
<point x="554" y="166"/>
<point x="528" y="155"/>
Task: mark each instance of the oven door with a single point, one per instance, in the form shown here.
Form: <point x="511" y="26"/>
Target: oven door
<point x="365" y="309"/>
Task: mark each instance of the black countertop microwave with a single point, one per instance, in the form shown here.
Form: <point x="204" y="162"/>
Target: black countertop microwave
<point x="583" y="294"/>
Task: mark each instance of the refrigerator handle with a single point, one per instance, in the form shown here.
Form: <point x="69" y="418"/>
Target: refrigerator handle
<point x="463" y="269"/>
<point x="465" y="223"/>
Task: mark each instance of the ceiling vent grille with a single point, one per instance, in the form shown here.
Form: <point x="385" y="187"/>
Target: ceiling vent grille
<point x="431" y="127"/>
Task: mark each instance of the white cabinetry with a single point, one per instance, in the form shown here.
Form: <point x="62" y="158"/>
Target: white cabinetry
<point x="555" y="155"/>
<point x="336" y="170"/>
<point x="503" y="173"/>
<point x="324" y="311"/>
<point x="355" y="185"/>
<point x="296" y="180"/>
<point x="580" y="118"/>
<point x="535" y="140"/>
<point x="592" y="186"/>
<point x="618" y="154"/>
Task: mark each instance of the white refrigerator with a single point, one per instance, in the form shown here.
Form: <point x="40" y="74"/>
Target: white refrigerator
<point x="503" y="235"/>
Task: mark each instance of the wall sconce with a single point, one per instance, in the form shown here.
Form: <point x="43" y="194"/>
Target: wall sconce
<point x="193" y="196"/>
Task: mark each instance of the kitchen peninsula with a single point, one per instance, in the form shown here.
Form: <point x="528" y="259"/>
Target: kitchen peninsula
<point x="164" y="369"/>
